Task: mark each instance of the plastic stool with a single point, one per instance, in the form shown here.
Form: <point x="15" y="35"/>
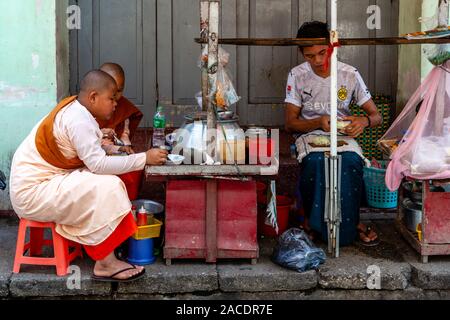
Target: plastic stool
<point x="61" y="247"/>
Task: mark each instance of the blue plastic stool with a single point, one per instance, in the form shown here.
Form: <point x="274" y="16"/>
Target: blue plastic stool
<point x="140" y="252"/>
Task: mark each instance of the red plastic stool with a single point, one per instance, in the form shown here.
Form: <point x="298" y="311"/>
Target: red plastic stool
<point x="61" y="247"/>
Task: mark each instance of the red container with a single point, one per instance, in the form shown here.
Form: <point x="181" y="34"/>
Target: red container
<point x="283" y="206"/>
<point x="141" y="219"/>
<point x="261" y="192"/>
<point x="260" y="150"/>
<point x="132" y="182"/>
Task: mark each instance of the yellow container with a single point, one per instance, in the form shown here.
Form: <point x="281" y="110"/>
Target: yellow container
<point x="151" y="230"/>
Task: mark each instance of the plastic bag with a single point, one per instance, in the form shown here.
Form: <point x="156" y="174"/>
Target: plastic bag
<point x="437" y="54"/>
<point x="296" y="251"/>
<point x="419" y="139"/>
<point x="2" y="181"/>
<point x="224" y="92"/>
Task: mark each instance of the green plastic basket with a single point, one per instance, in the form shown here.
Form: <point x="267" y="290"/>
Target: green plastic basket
<point x="377" y="193"/>
<point x="368" y="139"/>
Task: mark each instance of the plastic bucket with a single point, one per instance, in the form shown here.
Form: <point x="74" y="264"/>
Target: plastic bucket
<point x="140" y="252"/>
<point x="283" y="206"/>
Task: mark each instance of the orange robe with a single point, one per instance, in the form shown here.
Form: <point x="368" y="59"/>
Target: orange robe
<point x="125" y="109"/>
<point x="47" y="148"/>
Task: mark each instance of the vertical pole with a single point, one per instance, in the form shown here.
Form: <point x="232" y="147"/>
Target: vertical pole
<point x="213" y="52"/>
<point x="204" y="33"/>
<point x="333" y="134"/>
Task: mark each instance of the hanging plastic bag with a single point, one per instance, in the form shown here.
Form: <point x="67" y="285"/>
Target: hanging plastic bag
<point x="271" y="211"/>
<point x="224" y="92"/>
<point x="418" y="142"/>
<point x="437" y="54"/>
<point x="296" y="251"/>
<point x="2" y="181"/>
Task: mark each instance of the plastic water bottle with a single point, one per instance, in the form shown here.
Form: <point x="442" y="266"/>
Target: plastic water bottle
<point x="159" y="123"/>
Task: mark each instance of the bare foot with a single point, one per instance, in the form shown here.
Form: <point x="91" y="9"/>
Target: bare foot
<point x="110" y="265"/>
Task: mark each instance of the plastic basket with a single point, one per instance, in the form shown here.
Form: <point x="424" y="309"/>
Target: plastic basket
<point x="377" y="193"/>
<point x="151" y="230"/>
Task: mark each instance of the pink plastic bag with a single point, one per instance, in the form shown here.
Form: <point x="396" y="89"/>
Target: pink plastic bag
<point x="422" y="132"/>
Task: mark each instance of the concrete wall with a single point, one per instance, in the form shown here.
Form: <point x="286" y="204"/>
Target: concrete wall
<point x="28" y="71"/>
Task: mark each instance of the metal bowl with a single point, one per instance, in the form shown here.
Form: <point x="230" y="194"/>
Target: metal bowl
<point x="149" y="205"/>
<point x="226" y="115"/>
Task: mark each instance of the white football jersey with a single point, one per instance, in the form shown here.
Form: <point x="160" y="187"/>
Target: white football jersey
<point x="311" y="92"/>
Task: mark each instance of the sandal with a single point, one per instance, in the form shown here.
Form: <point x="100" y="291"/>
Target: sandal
<point x="365" y="234"/>
<point x="112" y="279"/>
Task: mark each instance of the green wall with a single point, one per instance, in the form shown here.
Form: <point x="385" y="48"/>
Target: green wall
<point x="413" y="63"/>
<point x="28" y="72"/>
<point x="429" y="8"/>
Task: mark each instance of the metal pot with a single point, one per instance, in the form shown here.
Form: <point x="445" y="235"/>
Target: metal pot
<point x="415" y="196"/>
<point x="412" y="213"/>
<point x="190" y="138"/>
<point x="149" y="205"/>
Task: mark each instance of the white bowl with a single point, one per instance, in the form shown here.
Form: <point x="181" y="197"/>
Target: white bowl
<point x="176" y="158"/>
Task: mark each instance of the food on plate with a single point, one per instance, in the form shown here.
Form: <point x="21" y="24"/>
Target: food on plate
<point x="324" y="141"/>
<point x="341" y="125"/>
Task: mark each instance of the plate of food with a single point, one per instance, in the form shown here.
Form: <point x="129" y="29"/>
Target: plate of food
<point x="324" y="142"/>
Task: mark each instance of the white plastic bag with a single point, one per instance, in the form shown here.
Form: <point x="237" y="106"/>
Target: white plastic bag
<point x="224" y="92"/>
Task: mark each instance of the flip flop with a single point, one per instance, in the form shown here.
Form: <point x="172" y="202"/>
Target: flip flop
<point x="370" y="243"/>
<point x="112" y="279"/>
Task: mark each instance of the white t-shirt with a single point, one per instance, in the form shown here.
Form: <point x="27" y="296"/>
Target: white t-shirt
<point x="311" y="92"/>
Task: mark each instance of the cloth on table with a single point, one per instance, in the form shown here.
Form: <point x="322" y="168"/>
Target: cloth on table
<point x="304" y="147"/>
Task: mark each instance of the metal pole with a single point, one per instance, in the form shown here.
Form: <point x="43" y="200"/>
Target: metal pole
<point x="334" y="201"/>
<point x="213" y="52"/>
<point x="204" y="34"/>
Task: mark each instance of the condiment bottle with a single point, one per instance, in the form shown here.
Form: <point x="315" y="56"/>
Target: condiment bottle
<point x="142" y="217"/>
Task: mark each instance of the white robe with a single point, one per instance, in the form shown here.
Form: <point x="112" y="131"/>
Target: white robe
<point x="87" y="204"/>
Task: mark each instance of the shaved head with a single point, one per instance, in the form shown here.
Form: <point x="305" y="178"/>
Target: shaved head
<point x="113" y="69"/>
<point x="98" y="94"/>
<point x="96" y="80"/>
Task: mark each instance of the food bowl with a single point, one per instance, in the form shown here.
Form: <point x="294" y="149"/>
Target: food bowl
<point x="175" y="158"/>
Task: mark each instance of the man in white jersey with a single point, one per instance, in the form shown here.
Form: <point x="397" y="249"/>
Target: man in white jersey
<point x="308" y="111"/>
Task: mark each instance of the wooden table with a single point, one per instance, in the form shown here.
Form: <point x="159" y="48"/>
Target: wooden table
<point x="435" y="222"/>
<point x="211" y="211"/>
